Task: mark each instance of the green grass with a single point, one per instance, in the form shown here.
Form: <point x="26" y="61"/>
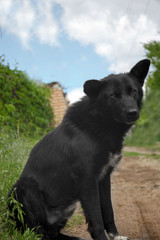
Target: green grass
<point x="14" y="151"/>
<point x="150" y="156"/>
<point x="76" y="220"/>
<point x="131" y="154"/>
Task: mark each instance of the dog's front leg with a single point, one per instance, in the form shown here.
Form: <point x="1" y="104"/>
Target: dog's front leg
<point x="91" y="205"/>
<point x="107" y="209"/>
<point x="106" y="205"/>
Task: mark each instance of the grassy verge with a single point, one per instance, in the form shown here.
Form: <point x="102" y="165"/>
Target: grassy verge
<point x="14" y="151"/>
<point x="150" y="156"/>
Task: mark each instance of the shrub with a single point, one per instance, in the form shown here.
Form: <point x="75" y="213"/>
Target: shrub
<point x="24" y="104"/>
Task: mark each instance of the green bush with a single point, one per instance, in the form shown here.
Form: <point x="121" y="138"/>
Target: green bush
<point x="24" y="104"/>
<point x="153" y="53"/>
<point x="147" y="129"/>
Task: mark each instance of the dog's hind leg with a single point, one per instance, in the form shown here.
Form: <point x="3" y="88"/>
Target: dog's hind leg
<point x="27" y="193"/>
<point x="56" y="221"/>
<point x="52" y="231"/>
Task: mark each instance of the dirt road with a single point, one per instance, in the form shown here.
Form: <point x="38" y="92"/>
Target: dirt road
<point x="136" y="200"/>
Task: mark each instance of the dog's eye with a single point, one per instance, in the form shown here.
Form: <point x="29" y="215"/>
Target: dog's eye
<point x="134" y="92"/>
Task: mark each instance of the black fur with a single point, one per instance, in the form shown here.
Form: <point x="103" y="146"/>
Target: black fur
<point x="72" y="163"/>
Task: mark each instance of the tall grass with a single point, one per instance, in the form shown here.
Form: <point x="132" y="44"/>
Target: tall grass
<point x="14" y="151"/>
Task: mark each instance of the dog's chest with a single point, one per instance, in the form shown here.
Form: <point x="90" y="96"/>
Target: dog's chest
<point x="113" y="161"/>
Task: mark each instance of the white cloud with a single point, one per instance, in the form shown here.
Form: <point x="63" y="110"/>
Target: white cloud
<point x="47" y="30"/>
<point x="75" y="95"/>
<point x="17" y="18"/>
<point x="114" y="28"/>
<point x="27" y="19"/>
<point x="5" y="9"/>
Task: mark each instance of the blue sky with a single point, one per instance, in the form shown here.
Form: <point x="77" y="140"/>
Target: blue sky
<point x="71" y="41"/>
<point x="70" y="63"/>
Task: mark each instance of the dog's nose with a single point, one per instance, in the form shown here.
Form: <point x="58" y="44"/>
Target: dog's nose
<point x="132" y="113"/>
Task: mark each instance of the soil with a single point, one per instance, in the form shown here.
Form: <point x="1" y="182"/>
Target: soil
<point x="135" y="198"/>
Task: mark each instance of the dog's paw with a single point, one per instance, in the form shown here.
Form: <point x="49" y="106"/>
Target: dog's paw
<point x="121" y="238"/>
<point x="117" y="237"/>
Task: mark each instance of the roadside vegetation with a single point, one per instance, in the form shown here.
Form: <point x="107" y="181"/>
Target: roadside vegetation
<point x="24" y="103"/>
<point x="149" y="156"/>
<point x="25" y="116"/>
<point x="14" y="151"/>
<point x="147" y="129"/>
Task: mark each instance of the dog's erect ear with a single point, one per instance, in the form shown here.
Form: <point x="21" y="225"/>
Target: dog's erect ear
<point x="92" y="88"/>
<point x="140" y="70"/>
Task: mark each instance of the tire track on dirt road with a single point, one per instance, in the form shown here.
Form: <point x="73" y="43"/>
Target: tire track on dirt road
<point x="136" y="198"/>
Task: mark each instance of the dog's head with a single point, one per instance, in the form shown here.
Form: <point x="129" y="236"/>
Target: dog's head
<point x="119" y="96"/>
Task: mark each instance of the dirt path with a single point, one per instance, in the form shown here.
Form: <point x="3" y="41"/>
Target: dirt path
<point x="136" y="200"/>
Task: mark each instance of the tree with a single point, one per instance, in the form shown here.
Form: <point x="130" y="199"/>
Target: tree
<point x="153" y="52"/>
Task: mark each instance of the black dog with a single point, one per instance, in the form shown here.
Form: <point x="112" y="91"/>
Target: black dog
<point x="74" y="162"/>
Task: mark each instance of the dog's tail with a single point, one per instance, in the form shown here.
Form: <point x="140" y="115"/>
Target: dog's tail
<point x="26" y="205"/>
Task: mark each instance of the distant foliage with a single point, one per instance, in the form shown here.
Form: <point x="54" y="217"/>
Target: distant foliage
<point x="24" y="105"/>
<point x="147" y="130"/>
<point x="153" y="52"/>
